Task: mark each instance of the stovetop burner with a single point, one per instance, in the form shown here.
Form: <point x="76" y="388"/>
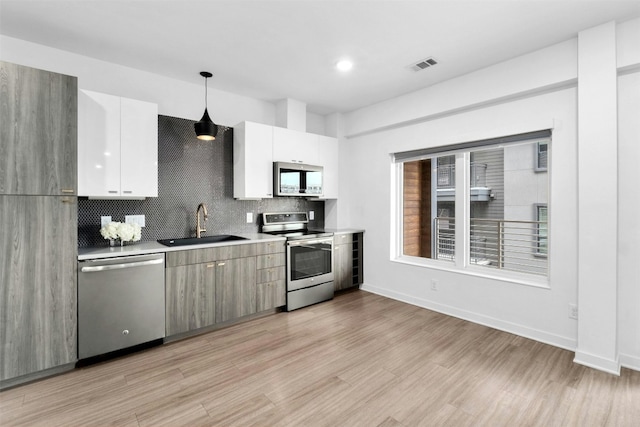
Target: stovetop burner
<point x="292" y="225"/>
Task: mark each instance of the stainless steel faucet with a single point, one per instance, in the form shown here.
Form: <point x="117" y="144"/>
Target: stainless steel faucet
<point x="203" y="208"/>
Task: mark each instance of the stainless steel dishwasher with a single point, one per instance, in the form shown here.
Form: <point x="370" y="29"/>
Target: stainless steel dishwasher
<point x="120" y="303"/>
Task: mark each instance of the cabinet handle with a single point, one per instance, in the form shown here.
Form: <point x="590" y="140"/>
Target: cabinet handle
<point x="112" y="192"/>
<point x="221" y="264"/>
<point x="210" y="265"/>
<point x="67" y="200"/>
<point x="65" y="191"/>
<point x="127" y="192"/>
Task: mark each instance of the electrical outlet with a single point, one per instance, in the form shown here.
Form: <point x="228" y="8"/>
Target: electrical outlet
<point x="573" y="311"/>
<point x="104" y="220"/>
<point x="135" y="219"/>
<point x="311" y="215"/>
<point x="434" y="285"/>
<point x="249" y="217"/>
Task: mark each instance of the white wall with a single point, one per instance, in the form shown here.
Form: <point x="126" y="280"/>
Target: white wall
<point x="174" y="97"/>
<point x="531" y="92"/>
<point x="536" y="312"/>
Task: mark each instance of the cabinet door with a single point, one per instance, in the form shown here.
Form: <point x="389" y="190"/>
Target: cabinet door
<point x="328" y="159"/>
<point x="98" y="144"/>
<point x="252" y="161"/>
<point x="343" y="263"/>
<point x="190" y="297"/>
<point x="294" y="146"/>
<point x="38" y="308"/>
<point x="38" y="131"/>
<point x="139" y="148"/>
<point x="271" y="295"/>
<point x="235" y="288"/>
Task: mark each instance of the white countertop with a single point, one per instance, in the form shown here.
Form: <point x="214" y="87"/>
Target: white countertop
<point x="143" y="248"/>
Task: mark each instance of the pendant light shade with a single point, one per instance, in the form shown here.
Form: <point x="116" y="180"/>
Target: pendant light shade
<point x="206" y="130"/>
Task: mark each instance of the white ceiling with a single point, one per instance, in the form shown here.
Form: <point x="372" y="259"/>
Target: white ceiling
<point x="272" y="50"/>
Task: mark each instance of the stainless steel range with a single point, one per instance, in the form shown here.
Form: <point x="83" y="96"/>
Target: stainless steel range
<point x="309" y="258"/>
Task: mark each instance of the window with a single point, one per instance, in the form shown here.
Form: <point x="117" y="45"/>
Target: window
<point x="498" y="184"/>
<point x="428" y="207"/>
<point x="541" y="230"/>
<point x="541" y="156"/>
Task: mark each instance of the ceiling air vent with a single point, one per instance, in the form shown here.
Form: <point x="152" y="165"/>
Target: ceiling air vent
<point x="425" y="63"/>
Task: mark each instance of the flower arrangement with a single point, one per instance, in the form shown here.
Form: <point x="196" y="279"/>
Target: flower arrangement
<point x="121" y="231"/>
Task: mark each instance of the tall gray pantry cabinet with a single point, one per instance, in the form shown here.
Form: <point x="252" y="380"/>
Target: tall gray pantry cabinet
<point x="38" y="221"/>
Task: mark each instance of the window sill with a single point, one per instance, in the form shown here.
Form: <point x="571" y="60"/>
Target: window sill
<point x="504" y="276"/>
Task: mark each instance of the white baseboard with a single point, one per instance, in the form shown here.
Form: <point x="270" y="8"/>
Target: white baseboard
<point x="514" y="328"/>
<point x="631" y="362"/>
<point x="597" y="362"/>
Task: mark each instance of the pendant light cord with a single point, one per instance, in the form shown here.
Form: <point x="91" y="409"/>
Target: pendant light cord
<point x="206" y="95"/>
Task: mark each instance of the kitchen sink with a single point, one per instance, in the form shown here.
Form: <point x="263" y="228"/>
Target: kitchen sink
<point x="200" y="241"/>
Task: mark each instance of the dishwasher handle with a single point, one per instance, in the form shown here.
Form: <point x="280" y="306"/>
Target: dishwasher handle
<point x="95" y="269"/>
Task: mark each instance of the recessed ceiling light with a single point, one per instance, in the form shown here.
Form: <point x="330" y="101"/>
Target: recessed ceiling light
<point x="344" y="65"/>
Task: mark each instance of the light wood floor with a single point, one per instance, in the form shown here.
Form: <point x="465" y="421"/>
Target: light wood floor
<point x="359" y="360"/>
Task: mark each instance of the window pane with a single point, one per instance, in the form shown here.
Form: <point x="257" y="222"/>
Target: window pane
<point x="541" y="156"/>
<point x="505" y="193"/>
<point x="429" y="208"/>
<point x="541" y="213"/>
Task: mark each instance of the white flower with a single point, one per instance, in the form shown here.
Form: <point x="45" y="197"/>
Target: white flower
<point x="110" y="231"/>
<point x="122" y="231"/>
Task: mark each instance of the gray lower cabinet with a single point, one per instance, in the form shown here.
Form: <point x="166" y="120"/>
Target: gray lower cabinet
<point x="189" y="297"/>
<point x="271" y="291"/>
<point x="235" y="288"/>
<point x="343" y="266"/>
<point x="38" y="299"/>
<point x="347" y="260"/>
<point x="38" y="131"/>
<point x="222" y="283"/>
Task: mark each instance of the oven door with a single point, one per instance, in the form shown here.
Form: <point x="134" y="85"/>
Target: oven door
<point x="309" y="262"/>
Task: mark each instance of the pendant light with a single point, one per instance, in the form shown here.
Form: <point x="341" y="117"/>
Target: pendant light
<point x="206" y="130"/>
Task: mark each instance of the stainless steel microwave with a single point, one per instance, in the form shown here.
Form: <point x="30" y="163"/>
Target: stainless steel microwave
<point x="297" y="179"/>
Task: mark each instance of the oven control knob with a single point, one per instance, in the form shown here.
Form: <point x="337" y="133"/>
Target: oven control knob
<point x="312" y="279"/>
<point x="125" y="332"/>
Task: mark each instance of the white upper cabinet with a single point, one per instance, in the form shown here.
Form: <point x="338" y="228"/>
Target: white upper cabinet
<point x="294" y="146"/>
<point x="117" y="146"/>
<point x="328" y="159"/>
<point x="252" y="161"/>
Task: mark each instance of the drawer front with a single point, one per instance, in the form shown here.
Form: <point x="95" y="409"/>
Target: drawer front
<point x="271" y="274"/>
<point x="270" y="247"/>
<point x="340" y="239"/>
<point x="271" y="260"/>
<point x="199" y="256"/>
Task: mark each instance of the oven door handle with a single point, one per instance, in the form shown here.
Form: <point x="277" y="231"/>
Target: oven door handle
<point x="306" y="243"/>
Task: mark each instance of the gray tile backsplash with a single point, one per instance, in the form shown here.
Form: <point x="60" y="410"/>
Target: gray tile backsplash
<point x="190" y="172"/>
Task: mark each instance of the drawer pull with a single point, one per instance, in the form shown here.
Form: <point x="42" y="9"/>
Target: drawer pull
<point x="210" y="265"/>
<point x="67" y="191"/>
<point x="221" y="264"/>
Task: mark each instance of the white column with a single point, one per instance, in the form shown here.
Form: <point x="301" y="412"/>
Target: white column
<point x="291" y="114"/>
<point x="597" y="199"/>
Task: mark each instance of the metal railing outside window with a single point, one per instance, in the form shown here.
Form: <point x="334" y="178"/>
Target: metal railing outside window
<point x="497" y="243"/>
